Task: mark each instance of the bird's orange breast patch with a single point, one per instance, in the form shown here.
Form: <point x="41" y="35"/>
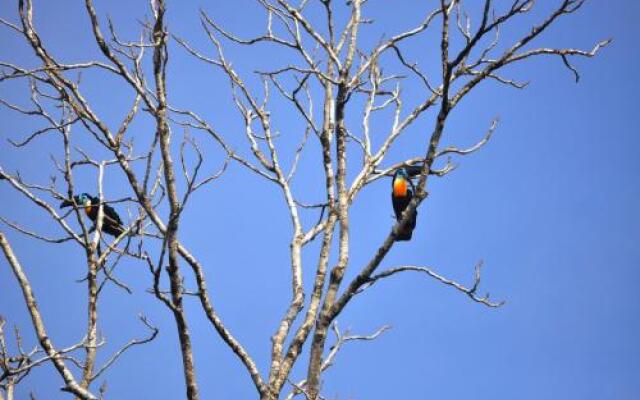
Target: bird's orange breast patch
<point x="400" y="188"/>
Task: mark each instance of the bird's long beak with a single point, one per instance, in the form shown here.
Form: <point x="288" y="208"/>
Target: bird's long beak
<point x="66" y="203"/>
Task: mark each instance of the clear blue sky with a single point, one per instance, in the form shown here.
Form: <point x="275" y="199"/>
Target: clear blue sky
<point x="550" y="205"/>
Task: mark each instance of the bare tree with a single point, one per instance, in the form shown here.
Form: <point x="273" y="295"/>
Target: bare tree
<point x="325" y="68"/>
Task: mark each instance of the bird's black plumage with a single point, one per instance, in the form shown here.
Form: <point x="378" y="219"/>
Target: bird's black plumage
<point x="111" y="222"/>
<point x="402" y="191"/>
<point x="413" y="170"/>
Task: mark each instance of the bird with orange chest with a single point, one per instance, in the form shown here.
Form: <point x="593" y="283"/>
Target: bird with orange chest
<point x="401" y="195"/>
<point x="111" y="222"/>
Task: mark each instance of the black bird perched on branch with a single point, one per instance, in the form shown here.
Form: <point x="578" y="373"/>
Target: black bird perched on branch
<point x="111" y="222"/>
<point x="401" y="195"/>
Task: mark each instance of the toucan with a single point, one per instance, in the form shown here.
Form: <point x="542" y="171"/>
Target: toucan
<point x="401" y="195"/>
<point x="111" y="222"/>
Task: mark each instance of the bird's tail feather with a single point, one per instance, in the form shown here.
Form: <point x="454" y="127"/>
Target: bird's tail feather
<point x="407" y="233"/>
<point x="404" y="236"/>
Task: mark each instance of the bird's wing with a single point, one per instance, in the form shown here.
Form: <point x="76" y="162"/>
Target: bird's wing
<point x="111" y="216"/>
<point x="413" y="170"/>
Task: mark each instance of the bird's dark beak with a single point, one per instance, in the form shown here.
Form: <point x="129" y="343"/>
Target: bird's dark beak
<point x="66" y="203"/>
